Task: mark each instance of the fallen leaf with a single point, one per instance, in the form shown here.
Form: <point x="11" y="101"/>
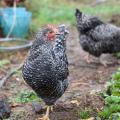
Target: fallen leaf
<point x="75" y="102"/>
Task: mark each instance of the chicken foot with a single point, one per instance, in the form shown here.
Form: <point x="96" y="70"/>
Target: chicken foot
<point x="46" y="117"/>
<point x="105" y="63"/>
<point x="88" y="58"/>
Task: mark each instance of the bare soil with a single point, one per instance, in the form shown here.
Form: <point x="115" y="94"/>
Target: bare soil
<point x="84" y="81"/>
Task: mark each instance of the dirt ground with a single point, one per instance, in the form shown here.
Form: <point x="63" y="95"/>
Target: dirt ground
<point x="84" y="81"/>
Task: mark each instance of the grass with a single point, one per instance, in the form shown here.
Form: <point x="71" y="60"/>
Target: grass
<point x="84" y="114"/>
<point x="24" y="97"/>
<point x="62" y="11"/>
<point x="4" y="62"/>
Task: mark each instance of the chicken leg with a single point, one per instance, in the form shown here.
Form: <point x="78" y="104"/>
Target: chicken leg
<point x="46" y="117"/>
<point x="88" y="58"/>
<point x="104" y="62"/>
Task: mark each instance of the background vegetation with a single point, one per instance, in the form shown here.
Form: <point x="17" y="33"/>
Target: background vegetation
<point x="112" y="99"/>
<point x="62" y="11"/>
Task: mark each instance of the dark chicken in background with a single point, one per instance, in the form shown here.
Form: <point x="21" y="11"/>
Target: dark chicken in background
<point x="96" y="36"/>
<point x="46" y="68"/>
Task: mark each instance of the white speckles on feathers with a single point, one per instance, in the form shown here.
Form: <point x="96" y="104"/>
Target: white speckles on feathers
<point x="46" y="67"/>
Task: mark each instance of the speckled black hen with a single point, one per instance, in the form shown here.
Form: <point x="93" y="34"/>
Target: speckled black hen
<point x="46" y="67"/>
<point x="97" y="37"/>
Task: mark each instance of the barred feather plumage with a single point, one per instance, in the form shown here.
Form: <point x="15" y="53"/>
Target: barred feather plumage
<point x="46" y="67"/>
<point x="97" y="37"/>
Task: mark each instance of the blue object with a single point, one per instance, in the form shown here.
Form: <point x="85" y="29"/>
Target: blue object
<point x="0" y="16"/>
<point x="10" y="10"/>
<point x="22" y="23"/>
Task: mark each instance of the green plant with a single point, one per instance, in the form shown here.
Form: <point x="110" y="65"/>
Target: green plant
<point x="115" y="116"/>
<point x="84" y="114"/>
<point x="25" y="97"/>
<point x="109" y="110"/>
<point x="117" y="55"/>
<point x="4" y="62"/>
<point x="112" y="99"/>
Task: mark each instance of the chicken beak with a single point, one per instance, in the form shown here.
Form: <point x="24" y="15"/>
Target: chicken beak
<point x="63" y="28"/>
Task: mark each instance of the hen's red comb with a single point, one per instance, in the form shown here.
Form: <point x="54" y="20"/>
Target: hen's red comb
<point x="51" y="26"/>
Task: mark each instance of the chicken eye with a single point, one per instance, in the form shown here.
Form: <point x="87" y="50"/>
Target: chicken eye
<point x="51" y="32"/>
